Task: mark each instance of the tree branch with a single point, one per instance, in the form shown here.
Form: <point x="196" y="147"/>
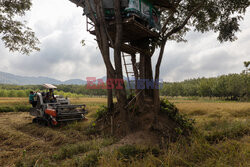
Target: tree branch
<point x="91" y="12"/>
<point x="104" y="23"/>
<point x="102" y="36"/>
<point x="118" y="21"/>
<point x="158" y="65"/>
<point x="178" y="28"/>
<point x="164" y="27"/>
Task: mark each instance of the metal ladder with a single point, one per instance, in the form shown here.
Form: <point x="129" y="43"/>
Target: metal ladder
<point x="127" y="70"/>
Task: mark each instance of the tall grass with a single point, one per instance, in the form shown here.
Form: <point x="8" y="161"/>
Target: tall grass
<point x="221" y="139"/>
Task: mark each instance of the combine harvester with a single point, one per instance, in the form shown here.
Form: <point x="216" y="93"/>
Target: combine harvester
<point x="53" y="110"/>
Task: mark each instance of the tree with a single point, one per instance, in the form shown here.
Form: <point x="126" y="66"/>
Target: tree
<point x="206" y="87"/>
<point x="21" y="93"/>
<point x="247" y="70"/>
<point x="12" y="93"/>
<point x="15" y="34"/>
<point x="177" y="18"/>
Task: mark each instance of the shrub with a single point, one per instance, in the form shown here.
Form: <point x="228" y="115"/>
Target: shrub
<point x="73" y="149"/>
<point x="226" y="130"/>
<point x="6" y="109"/>
<point x="128" y="152"/>
<point x="173" y="113"/>
<point x="91" y="160"/>
<point x="91" y="130"/>
<point x="22" y="108"/>
<point x="108" y="141"/>
<point x="101" y="112"/>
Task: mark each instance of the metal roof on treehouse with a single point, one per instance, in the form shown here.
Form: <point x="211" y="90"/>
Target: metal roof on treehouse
<point x="146" y="10"/>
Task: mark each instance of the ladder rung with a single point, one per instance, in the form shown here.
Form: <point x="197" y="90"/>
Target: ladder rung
<point x="128" y="64"/>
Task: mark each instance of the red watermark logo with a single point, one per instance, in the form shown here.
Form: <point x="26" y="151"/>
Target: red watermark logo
<point x="93" y="83"/>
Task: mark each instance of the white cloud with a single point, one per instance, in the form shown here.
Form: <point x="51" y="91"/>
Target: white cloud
<point x="60" y="27"/>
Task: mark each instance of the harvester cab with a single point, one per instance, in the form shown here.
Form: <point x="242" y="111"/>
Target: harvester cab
<point x="53" y="109"/>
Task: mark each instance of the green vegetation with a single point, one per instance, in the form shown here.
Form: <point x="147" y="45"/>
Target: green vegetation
<point x="90" y="160"/>
<point x="221" y="138"/>
<point x="18" y="108"/>
<point x="218" y="130"/>
<point x="14" y="32"/>
<point x="186" y="124"/>
<point x="231" y="87"/>
<point x="69" y="151"/>
<point x="226" y="87"/>
<point x="23" y="91"/>
<point x="101" y="112"/>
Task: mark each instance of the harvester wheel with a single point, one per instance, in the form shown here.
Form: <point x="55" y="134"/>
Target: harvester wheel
<point x="39" y="121"/>
<point x="34" y="120"/>
<point x="46" y="122"/>
<point x="50" y="123"/>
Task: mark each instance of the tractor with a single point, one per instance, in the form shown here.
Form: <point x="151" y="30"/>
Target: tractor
<point x="53" y="110"/>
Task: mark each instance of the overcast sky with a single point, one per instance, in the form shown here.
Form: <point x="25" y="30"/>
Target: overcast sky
<point x="60" y="27"/>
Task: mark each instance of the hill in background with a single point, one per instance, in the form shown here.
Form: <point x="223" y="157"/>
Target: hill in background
<point x="7" y="78"/>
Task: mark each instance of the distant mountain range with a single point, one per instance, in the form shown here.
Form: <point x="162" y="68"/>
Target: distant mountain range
<point x="7" y="78"/>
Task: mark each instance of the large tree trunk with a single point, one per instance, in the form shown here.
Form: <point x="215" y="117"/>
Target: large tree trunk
<point x="145" y="95"/>
<point x="144" y="99"/>
<point x="120" y="93"/>
<point x="110" y="93"/>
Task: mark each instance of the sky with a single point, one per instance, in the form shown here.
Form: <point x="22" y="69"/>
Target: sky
<point x="60" y="27"/>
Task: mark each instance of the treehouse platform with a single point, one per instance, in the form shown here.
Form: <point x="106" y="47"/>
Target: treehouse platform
<point x="132" y="30"/>
<point x="132" y="50"/>
<point x="161" y="3"/>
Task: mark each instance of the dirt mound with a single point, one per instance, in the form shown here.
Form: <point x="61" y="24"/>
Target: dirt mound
<point x="145" y="127"/>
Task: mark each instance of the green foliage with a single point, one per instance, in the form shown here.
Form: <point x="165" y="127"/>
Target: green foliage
<point x="108" y="141"/>
<point x="170" y="109"/>
<point x="18" y="108"/>
<point x="128" y="152"/>
<point x="3" y="93"/>
<point x="232" y="86"/>
<point x="220" y="16"/>
<point x="7" y="109"/>
<point x="23" y="91"/>
<point x="15" y="34"/>
<point x="91" y="129"/>
<point x="91" y="160"/>
<point x="101" y="112"/>
<point x="69" y="151"/>
<point x="12" y="93"/>
<point x="22" y="108"/>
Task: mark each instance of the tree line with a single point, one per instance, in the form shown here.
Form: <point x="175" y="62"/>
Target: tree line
<point x="230" y="87"/>
<point x="24" y="91"/>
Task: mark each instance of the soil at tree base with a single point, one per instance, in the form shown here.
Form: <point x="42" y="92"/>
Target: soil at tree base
<point x="145" y="127"/>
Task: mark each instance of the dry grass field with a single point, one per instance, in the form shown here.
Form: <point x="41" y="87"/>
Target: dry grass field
<point x="222" y="138"/>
